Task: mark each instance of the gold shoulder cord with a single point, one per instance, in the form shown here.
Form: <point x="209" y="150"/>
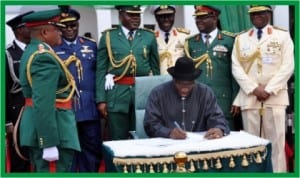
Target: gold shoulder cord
<point x="71" y="82"/>
<point x="199" y="60"/>
<point x="251" y="58"/>
<point x="77" y="62"/>
<point x="129" y="60"/>
<point x="166" y="55"/>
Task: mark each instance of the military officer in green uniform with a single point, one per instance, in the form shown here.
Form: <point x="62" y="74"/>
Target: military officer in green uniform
<point x="211" y="52"/>
<point x="48" y="126"/>
<point x="124" y="52"/>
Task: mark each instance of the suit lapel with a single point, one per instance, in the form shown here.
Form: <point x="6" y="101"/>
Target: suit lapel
<point x="137" y="38"/>
<point x="122" y="38"/>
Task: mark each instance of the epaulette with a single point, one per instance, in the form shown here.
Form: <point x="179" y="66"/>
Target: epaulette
<point x="109" y="29"/>
<point x="241" y="32"/>
<point x="278" y="28"/>
<point x="87" y="38"/>
<point x="193" y="36"/>
<point x="229" y="33"/>
<point x="183" y="30"/>
<point x="148" y="29"/>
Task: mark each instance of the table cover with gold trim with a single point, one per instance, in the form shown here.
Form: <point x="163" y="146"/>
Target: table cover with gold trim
<point x="237" y="152"/>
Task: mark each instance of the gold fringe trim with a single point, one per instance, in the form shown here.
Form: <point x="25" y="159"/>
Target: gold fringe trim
<point x="254" y="153"/>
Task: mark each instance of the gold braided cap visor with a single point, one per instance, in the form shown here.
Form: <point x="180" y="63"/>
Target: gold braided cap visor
<point x="133" y="12"/>
<point x="259" y="9"/>
<point x="69" y="19"/>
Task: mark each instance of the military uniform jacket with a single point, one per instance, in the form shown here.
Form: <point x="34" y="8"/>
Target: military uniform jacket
<point x="216" y="71"/>
<point x="85" y="50"/>
<point x="44" y="125"/>
<point x="143" y="47"/>
<point x="171" y="51"/>
<point x="268" y="61"/>
<point x="14" y="96"/>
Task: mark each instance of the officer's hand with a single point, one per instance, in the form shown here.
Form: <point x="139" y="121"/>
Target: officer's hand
<point x="109" y="82"/>
<point x="102" y="108"/>
<point x="235" y="110"/>
<point x="177" y="133"/>
<point x="214" y="133"/>
<point x="50" y="154"/>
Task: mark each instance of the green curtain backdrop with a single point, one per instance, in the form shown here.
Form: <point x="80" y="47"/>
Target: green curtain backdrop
<point x="234" y="18"/>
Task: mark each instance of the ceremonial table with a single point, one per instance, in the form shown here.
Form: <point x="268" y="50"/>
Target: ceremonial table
<point x="236" y="152"/>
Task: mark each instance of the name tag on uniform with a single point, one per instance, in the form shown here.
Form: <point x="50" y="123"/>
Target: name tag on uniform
<point x="267" y="60"/>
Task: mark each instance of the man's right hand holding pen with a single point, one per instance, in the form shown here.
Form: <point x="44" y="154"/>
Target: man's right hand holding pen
<point x="177" y="132"/>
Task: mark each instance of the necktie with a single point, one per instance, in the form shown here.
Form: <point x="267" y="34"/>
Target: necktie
<point x="207" y="36"/>
<point x="167" y="37"/>
<point x="259" y="33"/>
<point x="130" y="35"/>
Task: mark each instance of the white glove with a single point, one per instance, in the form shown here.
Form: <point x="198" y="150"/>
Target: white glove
<point x="50" y="154"/>
<point x="109" y="81"/>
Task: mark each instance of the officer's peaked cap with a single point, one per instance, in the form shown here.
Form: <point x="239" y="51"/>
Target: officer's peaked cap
<point x="201" y="10"/>
<point x="163" y="9"/>
<point x="259" y="8"/>
<point x="47" y="17"/>
<point x="129" y="9"/>
<point x="16" y="22"/>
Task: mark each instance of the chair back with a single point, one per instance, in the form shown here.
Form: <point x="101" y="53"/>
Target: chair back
<point x="143" y="87"/>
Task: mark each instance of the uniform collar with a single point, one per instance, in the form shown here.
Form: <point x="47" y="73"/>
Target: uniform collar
<point x="213" y="34"/>
<point x="20" y="44"/>
<point x="70" y="42"/>
<point x="126" y="31"/>
<point x="266" y="30"/>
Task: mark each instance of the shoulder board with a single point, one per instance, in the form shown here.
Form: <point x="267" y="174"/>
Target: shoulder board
<point x="148" y="29"/>
<point x="183" y="30"/>
<point x="192" y="36"/>
<point x="229" y="33"/>
<point x="110" y="29"/>
<point x="278" y="28"/>
<point x="244" y="31"/>
<point x="90" y="39"/>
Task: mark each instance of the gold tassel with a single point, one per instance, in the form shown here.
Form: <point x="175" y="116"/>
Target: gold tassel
<point x="125" y="169"/>
<point x="244" y="161"/>
<point x="192" y="167"/>
<point x="258" y="158"/>
<point x="138" y="169"/>
<point x="151" y="169"/>
<point x="165" y="169"/>
<point x="231" y="162"/>
<point x="205" y="166"/>
<point x="218" y="165"/>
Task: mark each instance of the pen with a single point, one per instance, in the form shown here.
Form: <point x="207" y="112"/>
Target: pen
<point x="177" y="125"/>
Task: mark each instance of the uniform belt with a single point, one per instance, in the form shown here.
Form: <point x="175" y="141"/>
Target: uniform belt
<point x="126" y="81"/>
<point x="61" y="105"/>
